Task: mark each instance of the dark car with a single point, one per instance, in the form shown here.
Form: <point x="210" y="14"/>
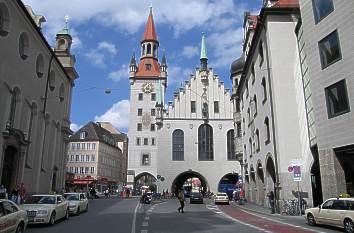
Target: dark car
<point x="196" y="198"/>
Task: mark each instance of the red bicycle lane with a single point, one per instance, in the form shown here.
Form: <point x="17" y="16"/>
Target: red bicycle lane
<point x="262" y="223"/>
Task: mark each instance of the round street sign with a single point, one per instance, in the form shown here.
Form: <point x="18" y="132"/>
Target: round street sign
<point x="162" y="178"/>
<point x="158" y="177"/>
<point x="290" y="169"/>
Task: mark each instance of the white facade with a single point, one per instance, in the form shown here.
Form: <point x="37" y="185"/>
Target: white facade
<point x="275" y="133"/>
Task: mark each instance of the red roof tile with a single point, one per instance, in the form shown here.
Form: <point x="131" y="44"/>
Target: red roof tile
<point x="144" y="72"/>
<point x="287" y="3"/>
<point x="150" y="32"/>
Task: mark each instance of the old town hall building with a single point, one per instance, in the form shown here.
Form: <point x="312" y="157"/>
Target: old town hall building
<point x="191" y="136"/>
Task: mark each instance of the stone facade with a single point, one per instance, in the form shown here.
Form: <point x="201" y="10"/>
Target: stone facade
<point x="35" y="99"/>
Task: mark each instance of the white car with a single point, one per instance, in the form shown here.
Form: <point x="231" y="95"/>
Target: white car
<point x="12" y="218"/>
<point x="338" y="212"/>
<point x="46" y="209"/>
<point x="78" y="202"/>
<point x="221" y="198"/>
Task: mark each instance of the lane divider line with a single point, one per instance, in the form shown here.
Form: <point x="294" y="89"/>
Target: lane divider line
<point x="134" y="217"/>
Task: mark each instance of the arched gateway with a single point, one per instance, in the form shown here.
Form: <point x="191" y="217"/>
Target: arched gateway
<point x="180" y="182"/>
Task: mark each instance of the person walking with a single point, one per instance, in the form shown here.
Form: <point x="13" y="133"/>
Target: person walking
<point x="3" y="192"/>
<point x="181" y="200"/>
<point x="271" y="201"/>
<point x="22" y="192"/>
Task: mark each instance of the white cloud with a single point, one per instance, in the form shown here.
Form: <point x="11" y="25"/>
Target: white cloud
<point x="177" y="75"/>
<point x="120" y="74"/>
<point x="98" y="56"/>
<point x="129" y="16"/>
<point x="190" y="51"/>
<point x="117" y="115"/>
<point x="74" y="127"/>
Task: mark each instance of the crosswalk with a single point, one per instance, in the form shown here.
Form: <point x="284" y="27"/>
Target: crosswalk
<point x="214" y="208"/>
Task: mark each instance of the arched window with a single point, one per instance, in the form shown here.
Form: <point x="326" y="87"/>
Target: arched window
<point x="149" y="49"/>
<point x="255" y="105"/>
<point x="205" y="143"/>
<point x="257" y="141"/>
<point x="266" y="125"/>
<point x="250" y="145"/>
<point x="155" y="50"/>
<point x="40" y="66"/>
<point x="51" y="81"/>
<point x="4" y="20"/>
<point x="231" y="155"/>
<point x="23" y="46"/>
<point x="61" y="93"/>
<point x="264" y="85"/>
<point x="178" y="145"/>
<point x="143" y="51"/>
<point x="15" y="99"/>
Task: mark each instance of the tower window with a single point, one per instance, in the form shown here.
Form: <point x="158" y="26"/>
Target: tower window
<point x="139" y="127"/>
<point x="152" y="127"/>
<point x="329" y="49"/>
<point x="178" y="145"/>
<point x="23" y="46"/>
<point x="146" y="141"/>
<point x="140" y="111"/>
<point x="148" y="67"/>
<point x="153" y="112"/>
<point x="192" y="106"/>
<point x="140" y="96"/>
<point x="205" y="143"/>
<point x="153" y="96"/>
<point x="216" y="106"/>
<point x="40" y="66"/>
<point x="149" y="49"/>
<point x="138" y="141"/>
<point x="231" y="145"/>
<point x="4" y="20"/>
<point x="145" y="159"/>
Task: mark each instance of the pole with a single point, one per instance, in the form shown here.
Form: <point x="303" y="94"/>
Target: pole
<point x="299" y="197"/>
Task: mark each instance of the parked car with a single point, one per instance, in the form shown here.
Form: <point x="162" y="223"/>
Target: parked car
<point x="46" y="209"/>
<point x="221" y="198"/>
<point x="78" y="202"/>
<point x="338" y="212"/>
<point x="196" y="198"/>
<point x="12" y="218"/>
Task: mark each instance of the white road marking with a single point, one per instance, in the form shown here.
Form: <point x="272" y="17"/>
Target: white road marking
<point x="134" y="217"/>
<point x="143" y="231"/>
<point x="146" y="218"/>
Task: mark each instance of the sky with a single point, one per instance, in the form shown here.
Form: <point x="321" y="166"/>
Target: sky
<point x="106" y="33"/>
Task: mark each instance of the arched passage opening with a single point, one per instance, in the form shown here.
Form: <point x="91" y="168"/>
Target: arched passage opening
<point x="144" y="180"/>
<point x="227" y="183"/>
<point x="9" y="169"/>
<point x="260" y="183"/>
<point x="190" y="181"/>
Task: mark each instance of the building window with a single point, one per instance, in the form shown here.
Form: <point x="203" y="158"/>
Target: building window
<point x="23" y="46"/>
<point x="138" y="141"/>
<point x="93" y="158"/>
<point x="40" y="66"/>
<point x="267" y="130"/>
<point x="255" y="105"/>
<point x="260" y="52"/>
<point x="250" y="145"/>
<point x="322" y="8"/>
<point x="153" y="112"/>
<point x="140" y="96"/>
<point x="4" y="20"/>
<point x="82" y="170"/>
<point x="193" y="109"/>
<point x="145" y="159"/>
<point x="139" y="127"/>
<point x="244" y="126"/>
<point x="337" y="99"/>
<point x="78" y="146"/>
<point x="178" y="145"/>
<point x="72" y="157"/>
<point x="239" y="130"/>
<point x="253" y="73"/>
<point x="249" y="116"/>
<point x="72" y="146"/>
<point x="152" y="127"/>
<point x="244" y="149"/>
<point x="153" y="141"/>
<point x="88" y="146"/>
<point x="92" y="170"/>
<point x="93" y="146"/>
<point x="258" y="146"/>
<point x="71" y="170"/>
<point x="238" y="105"/>
<point x="247" y="92"/>
<point x="146" y="141"/>
<point x="149" y="49"/>
<point x="86" y="170"/>
<point x="231" y="145"/>
<point x="76" y="169"/>
<point x="148" y="66"/>
<point x="329" y="49"/>
<point x="140" y="111"/>
<point x="264" y="85"/>
<point x="83" y="135"/>
<point x="205" y="143"/>
<point x="87" y="158"/>
<point x="82" y="158"/>
<point x="153" y="96"/>
<point x="77" y="158"/>
<point x="83" y="146"/>
<point x="216" y="106"/>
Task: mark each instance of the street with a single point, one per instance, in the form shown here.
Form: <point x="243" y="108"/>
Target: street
<point x="128" y="216"/>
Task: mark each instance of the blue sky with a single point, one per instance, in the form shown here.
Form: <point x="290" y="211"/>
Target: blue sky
<point x="106" y="32"/>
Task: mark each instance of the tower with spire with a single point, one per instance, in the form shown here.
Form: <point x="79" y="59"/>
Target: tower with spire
<point x="148" y="80"/>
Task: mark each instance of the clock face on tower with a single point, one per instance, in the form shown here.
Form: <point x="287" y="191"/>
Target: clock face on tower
<point x="147" y="88"/>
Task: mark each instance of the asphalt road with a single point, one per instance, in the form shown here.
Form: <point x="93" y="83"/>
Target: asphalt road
<point x="128" y="216"/>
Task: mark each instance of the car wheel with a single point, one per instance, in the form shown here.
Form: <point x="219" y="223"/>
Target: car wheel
<point x="311" y="220"/>
<point x="78" y="210"/>
<point x="52" y="219"/>
<point x="20" y="228"/>
<point x="67" y="214"/>
<point x="348" y="226"/>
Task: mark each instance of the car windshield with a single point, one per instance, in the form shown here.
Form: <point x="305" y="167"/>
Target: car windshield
<point x="221" y="194"/>
<point x="40" y="200"/>
<point x="72" y="197"/>
<point x="196" y="194"/>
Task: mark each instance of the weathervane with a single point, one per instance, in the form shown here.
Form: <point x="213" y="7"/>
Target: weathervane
<point x="66" y="18"/>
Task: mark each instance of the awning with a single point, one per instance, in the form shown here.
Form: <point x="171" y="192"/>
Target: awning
<point x="83" y="181"/>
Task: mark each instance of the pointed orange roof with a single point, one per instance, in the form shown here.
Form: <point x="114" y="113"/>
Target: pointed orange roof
<point x="150" y="32"/>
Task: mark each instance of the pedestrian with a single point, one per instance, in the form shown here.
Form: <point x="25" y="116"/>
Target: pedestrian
<point x="271" y="201"/>
<point x="3" y="192"/>
<point x="92" y="193"/>
<point x="22" y="192"/>
<point x="181" y="199"/>
<point x="15" y="195"/>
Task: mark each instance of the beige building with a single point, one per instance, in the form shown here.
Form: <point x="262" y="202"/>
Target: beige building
<point x="94" y="155"/>
<point x="35" y="99"/>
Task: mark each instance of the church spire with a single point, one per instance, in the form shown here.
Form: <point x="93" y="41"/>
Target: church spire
<point x="203" y="54"/>
<point x="150" y="31"/>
